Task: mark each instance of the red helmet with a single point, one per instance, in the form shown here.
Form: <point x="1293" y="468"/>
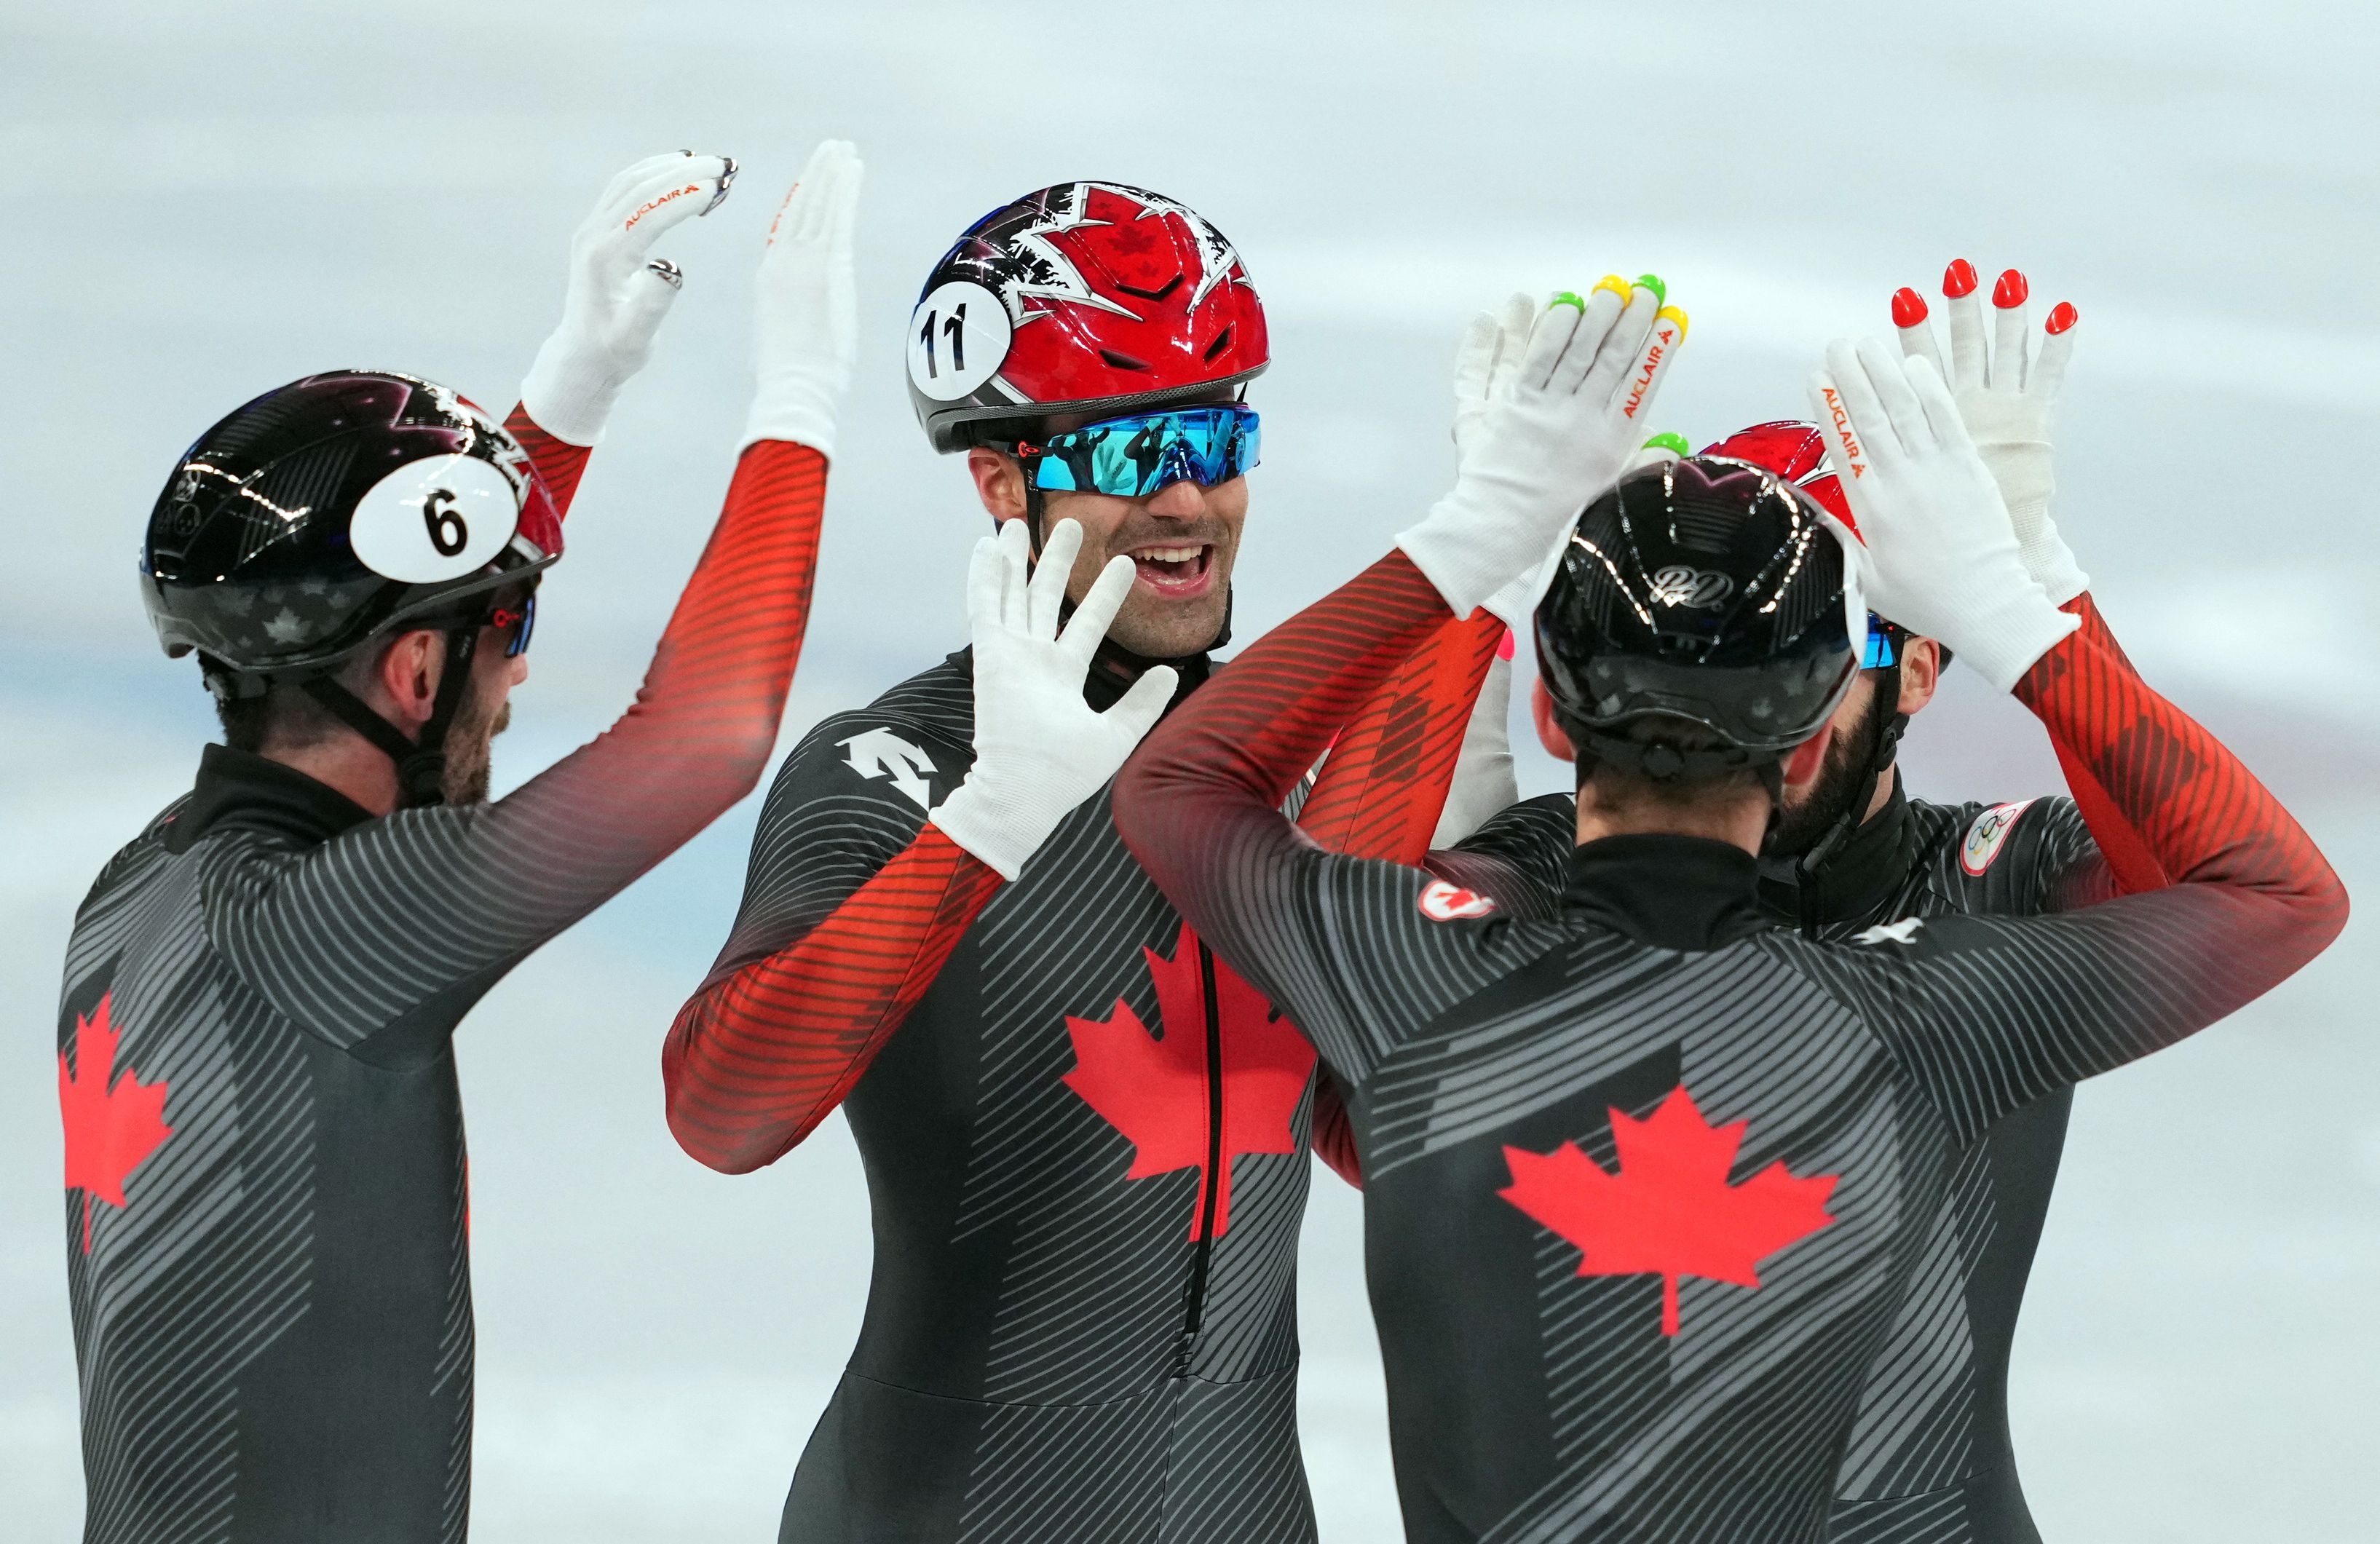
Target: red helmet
<point x="1796" y="451"/>
<point x="1085" y="297"/>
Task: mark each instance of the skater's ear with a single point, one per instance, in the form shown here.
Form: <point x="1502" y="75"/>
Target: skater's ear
<point x="1804" y="761"/>
<point x="1920" y="672"/>
<point x="999" y="483"/>
<point x="1551" y="733"/>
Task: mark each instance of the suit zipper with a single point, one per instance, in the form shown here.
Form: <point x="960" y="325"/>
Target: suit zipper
<point x="1211" y="1188"/>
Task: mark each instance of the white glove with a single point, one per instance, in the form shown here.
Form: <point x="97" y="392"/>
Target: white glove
<point x="617" y="297"/>
<point x="1941" y="556"/>
<point x="2005" y="400"/>
<point x="1039" y="749"/>
<point x="805" y="306"/>
<point x="1556" y="434"/>
<point x="1484" y="363"/>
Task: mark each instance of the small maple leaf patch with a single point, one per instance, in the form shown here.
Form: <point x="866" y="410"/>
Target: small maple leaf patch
<point x="1155" y="1091"/>
<point x="110" y="1131"/>
<point x="1669" y="1212"/>
<point x="1442" y="902"/>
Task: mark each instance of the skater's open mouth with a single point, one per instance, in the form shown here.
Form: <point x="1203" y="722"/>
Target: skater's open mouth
<point x="1176" y="571"/>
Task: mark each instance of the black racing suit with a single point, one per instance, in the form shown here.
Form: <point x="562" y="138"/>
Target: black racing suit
<point x="1645" y="1183"/>
<point x="1930" y="1456"/>
<point x="266" y="1206"/>
<point x="1085" y="1141"/>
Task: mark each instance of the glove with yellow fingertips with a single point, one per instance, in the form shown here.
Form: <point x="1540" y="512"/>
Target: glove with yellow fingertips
<point x="1539" y="438"/>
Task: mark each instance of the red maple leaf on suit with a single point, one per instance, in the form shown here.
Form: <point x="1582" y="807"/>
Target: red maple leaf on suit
<point x="1155" y="1091"/>
<point x="109" y="1130"/>
<point x="1669" y="1212"/>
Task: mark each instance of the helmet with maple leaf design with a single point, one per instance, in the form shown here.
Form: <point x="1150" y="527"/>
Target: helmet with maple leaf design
<point x="335" y="510"/>
<point x="1707" y="592"/>
<point x="1091" y="298"/>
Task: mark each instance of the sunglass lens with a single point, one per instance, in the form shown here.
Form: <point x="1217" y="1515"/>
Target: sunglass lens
<point x="525" y="623"/>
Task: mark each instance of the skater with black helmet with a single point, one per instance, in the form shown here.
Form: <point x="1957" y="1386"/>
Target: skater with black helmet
<point x="1640" y="1201"/>
<point x="267" y="1204"/>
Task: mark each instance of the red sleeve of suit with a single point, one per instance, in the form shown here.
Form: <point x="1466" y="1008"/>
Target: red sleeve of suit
<point x="2133" y="866"/>
<point x="1384" y="784"/>
<point x="758" y="1059"/>
<point x="559" y="463"/>
<point x="2168" y="791"/>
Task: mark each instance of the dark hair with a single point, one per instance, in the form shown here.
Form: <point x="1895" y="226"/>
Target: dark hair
<point x="1618" y="783"/>
<point x="283" y="715"/>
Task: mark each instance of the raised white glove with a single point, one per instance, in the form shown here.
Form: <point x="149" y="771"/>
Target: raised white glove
<point x="1039" y="749"/>
<point x="1484" y="363"/>
<point x="2004" y="400"/>
<point x="617" y="296"/>
<point x="1555" y="435"/>
<point x="805" y="306"/>
<point x="1941" y="556"/>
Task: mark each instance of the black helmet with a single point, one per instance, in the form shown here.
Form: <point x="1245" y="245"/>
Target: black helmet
<point x="1706" y="589"/>
<point x="329" y="512"/>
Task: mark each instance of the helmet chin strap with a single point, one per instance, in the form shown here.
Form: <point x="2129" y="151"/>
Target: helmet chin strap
<point x="420" y="764"/>
<point x="1809" y="878"/>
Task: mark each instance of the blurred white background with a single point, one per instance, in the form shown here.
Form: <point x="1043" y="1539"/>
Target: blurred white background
<point x="206" y="202"/>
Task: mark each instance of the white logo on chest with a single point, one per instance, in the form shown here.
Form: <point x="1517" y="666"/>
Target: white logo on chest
<point x="875" y="753"/>
<point x="1902" y="931"/>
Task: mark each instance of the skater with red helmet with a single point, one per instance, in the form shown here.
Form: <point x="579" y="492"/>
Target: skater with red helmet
<point x="1085" y="1137"/>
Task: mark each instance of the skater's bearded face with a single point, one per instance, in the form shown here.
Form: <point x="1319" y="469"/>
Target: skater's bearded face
<point x="486" y="712"/>
<point x="1181" y="539"/>
<point x="1813" y="807"/>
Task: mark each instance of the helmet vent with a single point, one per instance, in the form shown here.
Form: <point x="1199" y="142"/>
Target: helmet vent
<point x="1704" y="527"/>
<point x="1157" y="294"/>
<point x="1802" y="595"/>
<point x="1222" y="341"/>
<point x="274" y="502"/>
<point x="1123" y="361"/>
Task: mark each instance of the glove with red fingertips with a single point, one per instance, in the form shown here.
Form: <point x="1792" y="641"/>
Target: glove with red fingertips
<point x="806" y="307"/>
<point x="1941" y="554"/>
<point x="2006" y="391"/>
<point x="617" y="295"/>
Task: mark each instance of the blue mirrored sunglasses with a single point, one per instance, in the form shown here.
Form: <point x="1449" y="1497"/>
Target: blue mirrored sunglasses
<point x="1130" y="457"/>
<point x="1883" y="644"/>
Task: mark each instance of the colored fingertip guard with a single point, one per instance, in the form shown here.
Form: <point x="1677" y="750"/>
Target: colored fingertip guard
<point x="2011" y="291"/>
<point x="1667" y="441"/>
<point x="1908" y="307"/>
<point x="1615" y="283"/>
<point x="1653" y="281"/>
<point x="1958" y="280"/>
<point x="1564" y="298"/>
<point x="2061" y="317"/>
<point x="1673" y="314"/>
